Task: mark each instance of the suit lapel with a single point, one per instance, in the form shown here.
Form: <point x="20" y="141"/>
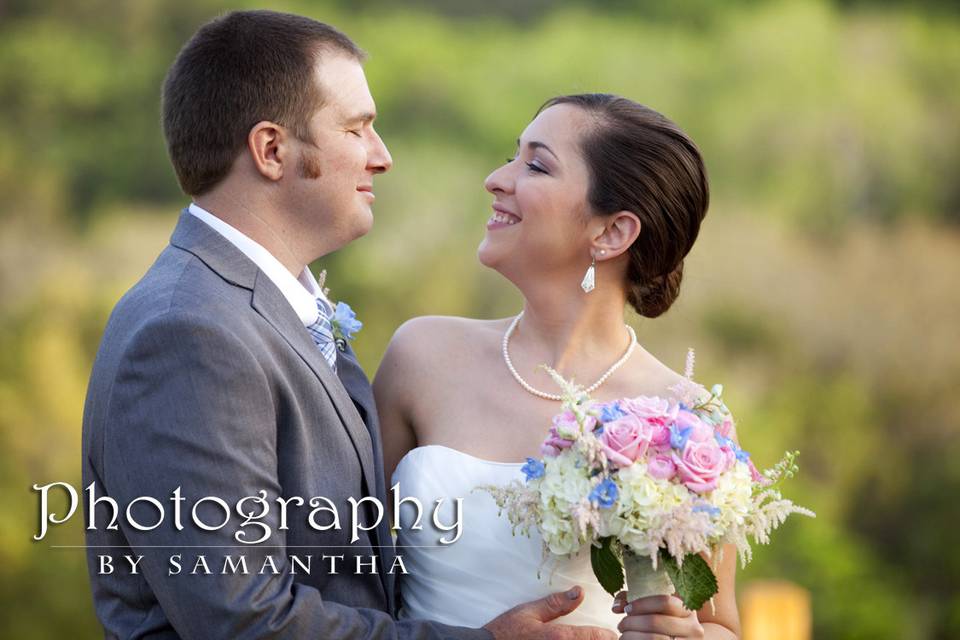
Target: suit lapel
<point x="270" y="303"/>
<point x="194" y="235"/>
<point x="358" y="386"/>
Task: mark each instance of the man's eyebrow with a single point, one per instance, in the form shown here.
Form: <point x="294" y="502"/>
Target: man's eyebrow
<point x="534" y="144"/>
<point x="364" y="117"/>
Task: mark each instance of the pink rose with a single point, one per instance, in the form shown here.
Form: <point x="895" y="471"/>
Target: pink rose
<point x="661" y="437"/>
<point x="654" y="410"/>
<point x="700" y="464"/>
<point x="700" y="431"/>
<point x="554" y="444"/>
<point x="725" y="427"/>
<point x="625" y="439"/>
<point x="565" y="425"/>
<point x="563" y="433"/>
<point x="662" y="467"/>
<point x="548" y="450"/>
<point x="658" y="413"/>
<point x="730" y="455"/>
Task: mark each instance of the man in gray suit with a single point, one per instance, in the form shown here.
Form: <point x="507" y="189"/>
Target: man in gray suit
<point x="221" y="377"/>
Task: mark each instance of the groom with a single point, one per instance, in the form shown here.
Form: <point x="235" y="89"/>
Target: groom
<point x="220" y="375"/>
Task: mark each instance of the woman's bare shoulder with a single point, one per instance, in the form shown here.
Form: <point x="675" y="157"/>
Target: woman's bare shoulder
<point x="433" y="341"/>
<point x="650" y="375"/>
<point x="432" y="328"/>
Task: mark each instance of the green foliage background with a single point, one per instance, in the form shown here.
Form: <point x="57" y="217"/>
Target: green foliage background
<point x="822" y="291"/>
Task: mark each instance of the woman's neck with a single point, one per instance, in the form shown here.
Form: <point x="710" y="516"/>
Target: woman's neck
<point x="575" y="333"/>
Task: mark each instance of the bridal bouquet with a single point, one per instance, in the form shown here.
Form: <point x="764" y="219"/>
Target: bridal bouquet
<point x="653" y="485"/>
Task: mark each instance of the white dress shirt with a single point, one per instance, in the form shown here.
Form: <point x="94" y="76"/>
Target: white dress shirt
<point x="301" y="292"/>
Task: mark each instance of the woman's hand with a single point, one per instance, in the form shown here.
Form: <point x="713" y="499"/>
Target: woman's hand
<point x="656" y="618"/>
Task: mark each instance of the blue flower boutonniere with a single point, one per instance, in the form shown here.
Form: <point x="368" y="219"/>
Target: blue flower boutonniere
<point x="345" y="324"/>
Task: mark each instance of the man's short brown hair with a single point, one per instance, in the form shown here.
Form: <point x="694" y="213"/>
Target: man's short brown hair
<point x="238" y="70"/>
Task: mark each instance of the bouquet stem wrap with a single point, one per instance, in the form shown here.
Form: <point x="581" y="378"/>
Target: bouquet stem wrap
<point x="643" y="580"/>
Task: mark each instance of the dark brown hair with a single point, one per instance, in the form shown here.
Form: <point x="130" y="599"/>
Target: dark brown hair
<point x="642" y="162"/>
<point x="237" y="70"/>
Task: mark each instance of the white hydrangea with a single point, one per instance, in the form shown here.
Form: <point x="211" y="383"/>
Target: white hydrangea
<point x="612" y="523"/>
<point x="733" y="496"/>
<point x="643" y="496"/>
<point x="640" y="541"/>
<point x="559" y="534"/>
<point x="562" y="487"/>
<point x="563" y="484"/>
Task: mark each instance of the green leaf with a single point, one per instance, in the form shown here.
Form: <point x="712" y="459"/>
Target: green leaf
<point x="607" y="566"/>
<point x="694" y="581"/>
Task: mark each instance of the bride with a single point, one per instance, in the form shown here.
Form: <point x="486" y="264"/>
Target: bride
<point x="597" y="209"/>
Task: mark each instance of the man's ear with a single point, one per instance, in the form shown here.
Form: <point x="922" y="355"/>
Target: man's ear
<point x="270" y="149"/>
<point x="619" y="232"/>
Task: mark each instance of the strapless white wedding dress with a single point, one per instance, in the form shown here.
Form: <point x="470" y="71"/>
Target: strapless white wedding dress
<point x="488" y="570"/>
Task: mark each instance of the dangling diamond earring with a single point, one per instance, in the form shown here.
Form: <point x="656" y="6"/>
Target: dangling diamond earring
<point x="589" y="281"/>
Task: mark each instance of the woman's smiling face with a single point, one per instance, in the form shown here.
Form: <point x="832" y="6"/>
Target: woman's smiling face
<point x="540" y="207"/>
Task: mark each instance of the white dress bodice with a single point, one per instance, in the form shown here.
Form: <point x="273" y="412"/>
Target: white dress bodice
<point x="488" y="570"/>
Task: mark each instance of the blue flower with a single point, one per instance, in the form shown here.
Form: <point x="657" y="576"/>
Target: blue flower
<point x="679" y="437"/>
<point x="345" y="322"/>
<point x="723" y="441"/>
<point x="533" y="469"/>
<point x="717" y="390"/>
<point x="611" y="412"/>
<point x="604" y="494"/>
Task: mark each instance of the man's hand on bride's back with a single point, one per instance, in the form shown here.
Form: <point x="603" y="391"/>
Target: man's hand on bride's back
<point x="528" y="621"/>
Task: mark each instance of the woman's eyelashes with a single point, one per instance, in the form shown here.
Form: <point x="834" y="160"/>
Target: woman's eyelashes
<point x="532" y="166"/>
<point x="535" y="168"/>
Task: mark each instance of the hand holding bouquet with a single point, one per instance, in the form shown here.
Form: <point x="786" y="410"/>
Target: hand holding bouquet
<point x="653" y="485"/>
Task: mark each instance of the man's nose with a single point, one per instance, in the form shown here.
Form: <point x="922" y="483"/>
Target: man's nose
<point x="379" y="160"/>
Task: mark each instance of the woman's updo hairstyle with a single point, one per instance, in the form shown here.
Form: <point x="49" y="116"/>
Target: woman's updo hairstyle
<point x="642" y="162"/>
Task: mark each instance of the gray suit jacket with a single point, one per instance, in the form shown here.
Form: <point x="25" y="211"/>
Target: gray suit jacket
<point x="206" y="380"/>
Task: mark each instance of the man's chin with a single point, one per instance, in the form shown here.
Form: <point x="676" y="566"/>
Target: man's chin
<point x="364" y="224"/>
<point x="359" y="226"/>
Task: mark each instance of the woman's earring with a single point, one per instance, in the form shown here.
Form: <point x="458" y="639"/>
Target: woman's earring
<point x="590" y="277"/>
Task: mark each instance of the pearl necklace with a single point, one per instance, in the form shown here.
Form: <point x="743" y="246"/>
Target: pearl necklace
<point x="554" y="396"/>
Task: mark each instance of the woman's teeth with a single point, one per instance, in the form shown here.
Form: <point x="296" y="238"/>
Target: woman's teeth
<point x="503" y="218"/>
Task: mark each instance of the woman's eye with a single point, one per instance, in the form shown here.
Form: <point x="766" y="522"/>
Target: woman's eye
<point x="535" y="167"/>
<point x="356" y="132"/>
<point x="532" y="166"/>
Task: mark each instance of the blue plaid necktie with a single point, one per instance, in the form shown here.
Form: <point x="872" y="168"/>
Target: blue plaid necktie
<point x="322" y="333"/>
